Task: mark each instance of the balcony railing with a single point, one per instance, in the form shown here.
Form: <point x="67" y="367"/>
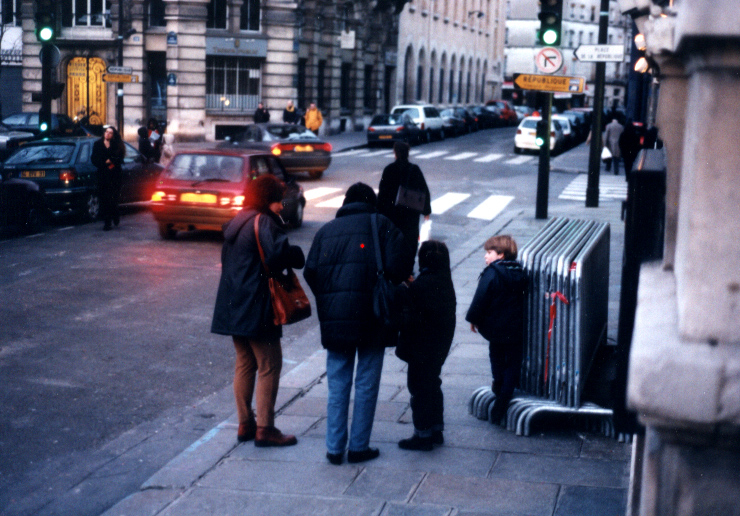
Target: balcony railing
<point x="231" y="103"/>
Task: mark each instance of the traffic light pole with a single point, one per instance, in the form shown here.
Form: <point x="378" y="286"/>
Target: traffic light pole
<point x="594" y="156"/>
<point x="47" y="64"/>
<point x="543" y="172"/>
<point x="119" y="86"/>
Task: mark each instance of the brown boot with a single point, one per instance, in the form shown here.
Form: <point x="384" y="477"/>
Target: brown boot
<point x="271" y="436"/>
<point x="246" y="431"/>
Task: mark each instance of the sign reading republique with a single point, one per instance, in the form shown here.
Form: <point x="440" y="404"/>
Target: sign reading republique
<point x="553" y="83"/>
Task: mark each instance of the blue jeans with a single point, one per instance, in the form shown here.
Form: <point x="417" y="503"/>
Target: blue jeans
<point x="339" y="368"/>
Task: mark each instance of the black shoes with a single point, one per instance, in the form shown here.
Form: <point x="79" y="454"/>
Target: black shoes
<point x="335" y="458"/>
<point x="438" y="438"/>
<point x="417" y="443"/>
<point x="354" y="457"/>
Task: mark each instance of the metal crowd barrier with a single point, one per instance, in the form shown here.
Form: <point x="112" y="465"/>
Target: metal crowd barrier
<point x="567" y="263"/>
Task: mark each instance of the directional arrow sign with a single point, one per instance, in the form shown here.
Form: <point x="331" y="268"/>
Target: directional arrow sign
<point x="125" y="70"/>
<point x="600" y="53"/>
<point x="117" y="77"/>
<point x="554" y="83"/>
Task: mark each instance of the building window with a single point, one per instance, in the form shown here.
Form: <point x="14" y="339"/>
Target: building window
<point x="156" y="13"/>
<point x="419" y="81"/>
<point x="86" y="13"/>
<point x="217" y="14"/>
<point x="320" y="89"/>
<point x="441" y="85"/>
<point x="368" y="97"/>
<point x="232" y="83"/>
<point x="10" y="12"/>
<point x="431" y="84"/>
<point x="250" y="15"/>
<point x="346" y="94"/>
<point x="593" y="13"/>
<point x="452" y="86"/>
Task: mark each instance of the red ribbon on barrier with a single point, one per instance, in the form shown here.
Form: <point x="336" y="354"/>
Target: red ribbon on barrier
<point x="553" y="312"/>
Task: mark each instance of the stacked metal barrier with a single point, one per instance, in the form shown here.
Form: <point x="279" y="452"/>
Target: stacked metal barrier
<point x="568" y="260"/>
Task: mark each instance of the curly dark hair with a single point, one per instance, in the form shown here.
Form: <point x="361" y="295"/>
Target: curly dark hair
<point x="263" y="191"/>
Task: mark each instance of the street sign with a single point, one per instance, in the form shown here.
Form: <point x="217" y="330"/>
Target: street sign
<point x="118" y="77"/>
<point x="125" y="70"/>
<point x="548" y="60"/>
<point x="553" y="83"/>
<point x="600" y="53"/>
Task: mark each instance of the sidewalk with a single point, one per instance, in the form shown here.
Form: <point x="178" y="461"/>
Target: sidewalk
<point x="481" y="470"/>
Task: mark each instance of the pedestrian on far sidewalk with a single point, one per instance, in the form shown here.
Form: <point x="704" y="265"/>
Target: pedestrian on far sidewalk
<point x="313" y="119"/>
<point x="261" y="115"/>
<point x="497" y="312"/>
<point x="611" y="141"/>
<point x="290" y="114"/>
<point x="426" y="336"/>
<point x="341" y="270"/>
<point x="244" y="311"/>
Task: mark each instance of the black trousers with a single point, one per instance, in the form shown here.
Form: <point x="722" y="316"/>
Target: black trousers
<point x="506" y="366"/>
<point x="427" y="400"/>
<point x="109" y="193"/>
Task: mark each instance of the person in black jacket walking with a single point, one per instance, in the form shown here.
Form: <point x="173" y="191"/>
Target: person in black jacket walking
<point x="107" y="156"/>
<point x="244" y="311"/>
<point x="261" y="115"/>
<point x="403" y="173"/>
<point x="426" y="336"/>
<point x="341" y="271"/>
<point x="497" y="312"/>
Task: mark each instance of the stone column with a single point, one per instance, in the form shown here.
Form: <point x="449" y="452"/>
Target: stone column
<point x="186" y="59"/>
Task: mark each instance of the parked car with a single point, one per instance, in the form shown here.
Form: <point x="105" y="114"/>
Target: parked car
<point x="203" y="189"/>
<point x="522" y="111"/>
<point x="426" y="117"/>
<point x="297" y="148"/>
<point x="526" y="134"/>
<point x="21" y="206"/>
<point x="68" y="180"/>
<point x="486" y="119"/>
<point x="61" y="125"/>
<point x="508" y="115"/>
<point x="579" y="123"/>
<point x="471" y="121"/>
<point x="453" y="124"/>
<point x="569" y="134"/>
<point x="10" y="139"/>
<point x="389" y="128"/>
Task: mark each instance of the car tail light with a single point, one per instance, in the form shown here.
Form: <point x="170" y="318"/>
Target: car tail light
<point x="552" y="134"/>
<point x="276" y="149"/>
<point x="371" y="129"/>
<point x="236" y="202"/>
<point x="422" y="126"/>
<point x="323" y="146"/>
<point x="158" y="196"/>
<point x="67" y="175"/>
<point x="518" y="131"/>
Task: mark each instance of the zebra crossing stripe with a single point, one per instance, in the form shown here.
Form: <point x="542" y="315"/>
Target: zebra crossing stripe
<point x="315" y="193"/>
<point x="375" y="154"/>
<point x="447" y="201"/>
<point x="610" y="188"/>
<point x="462" y="155"/>
<point x="519" y="160"/>
<point x="491" y="207"/>
<point x="350" y="152"/>
<point x="434" y="154"/>
<point x="488" y="158"/>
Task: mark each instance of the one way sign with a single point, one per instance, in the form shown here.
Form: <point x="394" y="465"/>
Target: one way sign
<point x="600" y="53"/>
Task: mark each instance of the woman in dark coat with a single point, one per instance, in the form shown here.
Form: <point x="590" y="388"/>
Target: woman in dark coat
<point x="244" y="311"/>
<point x="426" y="337"/>
<point x="341" y="271"/>
<point x="107" y="156"/>
<point x="402" y="172"/>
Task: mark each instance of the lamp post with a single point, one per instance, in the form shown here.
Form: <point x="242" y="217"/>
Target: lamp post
<point x="479" y="15"/>
<point x="119" y="86"/>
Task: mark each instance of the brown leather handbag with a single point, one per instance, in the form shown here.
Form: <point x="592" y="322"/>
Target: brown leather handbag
<point x="289" y="302"/>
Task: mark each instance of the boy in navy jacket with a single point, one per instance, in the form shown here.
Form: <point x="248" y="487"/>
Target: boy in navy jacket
<point x="497" y="313"/>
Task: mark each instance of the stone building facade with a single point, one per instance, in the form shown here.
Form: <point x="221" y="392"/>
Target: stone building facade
<point x="450" y="51"/>
<point x="203" y="65"/>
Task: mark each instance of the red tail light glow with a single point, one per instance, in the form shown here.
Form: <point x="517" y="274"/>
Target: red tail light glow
<point x="67" y="175"/>
<point x="371" y="129"/>
<point x="276" y="150"/>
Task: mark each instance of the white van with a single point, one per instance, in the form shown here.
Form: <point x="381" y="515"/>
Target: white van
<point x="427" y="117"/>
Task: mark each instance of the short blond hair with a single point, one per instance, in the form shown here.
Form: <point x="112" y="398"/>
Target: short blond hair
<point x="502" y="244"/>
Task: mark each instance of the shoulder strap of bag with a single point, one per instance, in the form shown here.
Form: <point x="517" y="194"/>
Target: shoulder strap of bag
<point x="376" y="242"/>
<point x="259" y="245"/>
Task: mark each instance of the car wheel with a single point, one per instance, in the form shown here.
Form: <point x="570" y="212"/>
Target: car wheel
<point x="34" y="220"/>
<point x="166" y="231"/>
<point x="92" y="206"/>
<point x="517" y="150"/>
<point x="315" y="174"/>
<point x="427" y="136"/>
<point x="441" y="134"/>
<point x="297" y="220"/>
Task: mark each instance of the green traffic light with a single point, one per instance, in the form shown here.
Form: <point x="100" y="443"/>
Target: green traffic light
<point x="43" y="126"/>
<point x="46" y="33"/>
<point x="550" y="37"/>
<point x="539" y="141"/>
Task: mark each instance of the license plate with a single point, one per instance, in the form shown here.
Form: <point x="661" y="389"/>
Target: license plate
<point x="304" y="148"/>
<point x="385" y="136"/>
<point x="200" y="198"/>
<point x="33" y="173"/>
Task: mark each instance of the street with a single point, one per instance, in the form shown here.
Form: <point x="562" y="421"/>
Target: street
<point x="104" y="337"/>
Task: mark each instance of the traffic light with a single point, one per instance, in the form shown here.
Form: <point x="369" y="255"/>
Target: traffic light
<point x="44" y="121"/>
<point x="46" y="26"/>
<point x="551" y="20"/>
<point x="542" y="131"/>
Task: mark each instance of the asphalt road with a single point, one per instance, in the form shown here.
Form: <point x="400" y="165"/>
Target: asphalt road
<point x="105" y="346"/>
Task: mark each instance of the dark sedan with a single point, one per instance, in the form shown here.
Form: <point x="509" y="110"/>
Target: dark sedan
<point x="390" y="128"/>
<point x="68" y="180"/>
<point x="203" y="189"/>
<point x="297" y="148"/>
<point x="61" y="125"/>
<point x="453" y="124"/>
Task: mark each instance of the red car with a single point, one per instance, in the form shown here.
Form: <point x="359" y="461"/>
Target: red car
<point x="508" y="115"/>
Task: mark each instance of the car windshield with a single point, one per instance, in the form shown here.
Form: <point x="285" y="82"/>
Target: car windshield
<point x="447" y="112"/>
<point x="413" y="112"/>
<point x="288" y="132"/>
<point x="529" y="123"/>
<point x="206" y="167"/>
<point x="50" y="153"/>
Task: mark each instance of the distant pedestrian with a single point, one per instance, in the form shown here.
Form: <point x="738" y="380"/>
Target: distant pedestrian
<point x="290" y="114"/>
<point x="403" y="174"/>
<point x="313" y="118"/>
<point x="261" y="115"/>
<point x="497" y="312"/>
<point x="107" y="156"/>
<point x="168" y="149"/>
<point x="145" y="146"/>
<point x="611" y="141"/>
<point x="155" y="137"/>
<point x="341" y="270"/>
<point x="426" y="336"/>
<point x="630" y="143"/>
<point x="243" y="309"/>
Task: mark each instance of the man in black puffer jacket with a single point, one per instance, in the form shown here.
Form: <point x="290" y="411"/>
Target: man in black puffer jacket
<point x="497" y="312"/>
<point x="341" y="271"/>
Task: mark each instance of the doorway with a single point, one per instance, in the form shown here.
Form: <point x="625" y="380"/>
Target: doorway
<point x="86" y="91"/>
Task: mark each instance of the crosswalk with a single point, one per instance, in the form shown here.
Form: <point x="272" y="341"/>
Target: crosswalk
<point x="448" y="155"/>
<point x="611" y="188"/>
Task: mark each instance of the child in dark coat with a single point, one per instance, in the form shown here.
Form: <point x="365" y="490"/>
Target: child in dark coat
<point x="497" y="312"/>
<point x="429" y="306"/>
